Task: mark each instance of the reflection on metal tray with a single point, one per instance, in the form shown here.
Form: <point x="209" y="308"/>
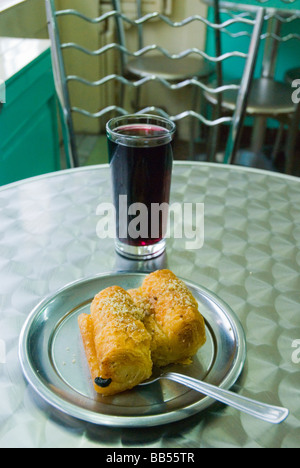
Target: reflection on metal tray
<point x="54" y="362"/>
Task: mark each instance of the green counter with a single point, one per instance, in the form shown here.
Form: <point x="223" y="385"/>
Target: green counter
<point x="29" y="139"/>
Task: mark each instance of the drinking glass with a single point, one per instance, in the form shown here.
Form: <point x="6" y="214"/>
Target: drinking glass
<point x="141" y="160"/>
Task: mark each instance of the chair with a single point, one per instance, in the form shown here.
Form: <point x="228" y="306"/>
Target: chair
<point x="140" y="57"/>
<point x="269" y="98"/>
<point x="162" y="66"/>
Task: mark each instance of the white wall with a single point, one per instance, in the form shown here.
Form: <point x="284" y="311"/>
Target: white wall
<point x="175" y="41"/>
<point x="27" y="19"/>
<point x="87" y="35"/>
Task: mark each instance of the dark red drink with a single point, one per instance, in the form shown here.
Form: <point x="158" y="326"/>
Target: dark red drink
<point x="141" y="159"/>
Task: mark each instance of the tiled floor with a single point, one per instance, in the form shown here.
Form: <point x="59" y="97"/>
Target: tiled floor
<point x="85" y="147"/>
<point x="85" y="144"/>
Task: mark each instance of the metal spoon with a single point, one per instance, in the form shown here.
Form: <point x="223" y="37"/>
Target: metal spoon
<point x="268" y="413"/>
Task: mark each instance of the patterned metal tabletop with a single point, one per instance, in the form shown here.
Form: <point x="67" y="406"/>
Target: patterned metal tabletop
<point x="250" y="258"/>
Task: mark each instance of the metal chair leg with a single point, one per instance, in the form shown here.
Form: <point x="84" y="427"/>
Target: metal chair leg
<point x="278" y="142"/>
<point x="293" y="135"/>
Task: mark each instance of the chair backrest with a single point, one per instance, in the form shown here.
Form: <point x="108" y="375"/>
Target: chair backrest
<point x="281" y="30"/>
<point x="139" y="14"/>
<point x="62" y="80"/>
<point x="281" y="39"/>
<point x="117" y="5"/>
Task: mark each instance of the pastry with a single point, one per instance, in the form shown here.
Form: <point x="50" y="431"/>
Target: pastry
<point x="128" y="332"/>
<point x="116" y="342"/>
<point x="172" y="318"/>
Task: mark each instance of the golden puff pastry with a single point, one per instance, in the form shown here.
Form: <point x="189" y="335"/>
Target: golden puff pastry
<point x="172" y="318"/>
<point x="116" y="342"/>
<point x="160" y="344"/>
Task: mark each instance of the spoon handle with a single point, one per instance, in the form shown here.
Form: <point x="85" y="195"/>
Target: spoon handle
<point x="272" y="414"/>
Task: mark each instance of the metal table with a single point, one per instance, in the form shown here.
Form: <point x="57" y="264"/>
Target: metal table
<point x="250" y="259"/>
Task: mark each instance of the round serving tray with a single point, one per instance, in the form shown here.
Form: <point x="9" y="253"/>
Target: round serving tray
<point x="54" y="363"/>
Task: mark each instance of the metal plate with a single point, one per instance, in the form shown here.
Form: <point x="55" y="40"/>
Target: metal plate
<point x="54" y="363"/>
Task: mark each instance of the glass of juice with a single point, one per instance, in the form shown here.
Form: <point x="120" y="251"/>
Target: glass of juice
<point x="141" y="160"/>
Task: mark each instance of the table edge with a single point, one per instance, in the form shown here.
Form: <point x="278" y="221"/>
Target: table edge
<point x="176" y="163"/>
